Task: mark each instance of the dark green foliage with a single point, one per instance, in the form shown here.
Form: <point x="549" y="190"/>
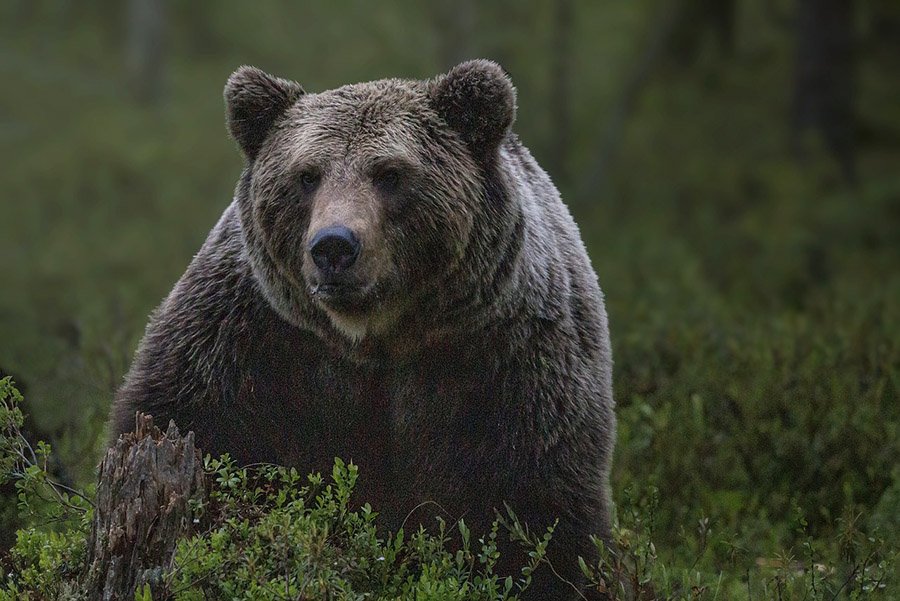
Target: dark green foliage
<point x="770" y="377"/>
<point x="50" y="549"/>
<point x="266" y="533"/>
<point x="278" y="535"/>
<point x="269" y="533"/>
<point x="752" y="298"/>
<point x="704" y="562"/>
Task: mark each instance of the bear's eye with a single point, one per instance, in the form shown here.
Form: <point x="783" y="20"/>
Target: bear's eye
<point x="309" y="180"/>
<point x="388" y="179"/>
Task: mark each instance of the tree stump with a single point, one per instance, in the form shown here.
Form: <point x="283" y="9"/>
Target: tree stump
<point x="142" y="508"/>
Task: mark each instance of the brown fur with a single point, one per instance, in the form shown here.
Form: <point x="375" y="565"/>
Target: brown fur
<point x="471" y="365"/>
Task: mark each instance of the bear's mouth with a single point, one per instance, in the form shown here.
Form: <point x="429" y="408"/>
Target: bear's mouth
<point x="342" y="297"/>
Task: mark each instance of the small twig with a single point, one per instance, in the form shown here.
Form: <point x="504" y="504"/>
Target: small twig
<point x="846" y="582"/>
<point x="423" y="504"/>
<point x="24" y="444"/>
<point x="53" y="484"/>
<point x="569" y="582"/>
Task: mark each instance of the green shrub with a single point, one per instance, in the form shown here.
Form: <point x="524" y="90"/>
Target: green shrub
<point x="277" y="535"/>
<point x="266" y="533"/>
<point x="271" y="533"/>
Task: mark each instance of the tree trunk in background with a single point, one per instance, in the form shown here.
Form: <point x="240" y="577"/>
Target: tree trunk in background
<point x="561" y="91"/>
<point x="697" y="20"/>
<point x="614" y="126"/>
<point x="824" y="86"/>
<point x="454" y="23"/>
<point x="146" y="483"/>
<point x="724" y="19"/>
<point x="146" y="52"/>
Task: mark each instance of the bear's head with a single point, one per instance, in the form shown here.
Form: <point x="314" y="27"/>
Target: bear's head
<point x="362" y="202"/>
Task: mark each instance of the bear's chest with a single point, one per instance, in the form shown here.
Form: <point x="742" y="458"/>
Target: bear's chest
<point x="320" y="407"/>
<point x="450" y="422"/>
<point x="431" y="430"/>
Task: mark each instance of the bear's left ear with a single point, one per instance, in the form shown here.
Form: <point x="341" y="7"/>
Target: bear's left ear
<point x="254" y="100"/>
<point x="478" y="100"/>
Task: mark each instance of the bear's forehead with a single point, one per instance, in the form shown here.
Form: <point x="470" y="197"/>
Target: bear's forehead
<point x="387" y="117"/>
<point x="383" y="98"/>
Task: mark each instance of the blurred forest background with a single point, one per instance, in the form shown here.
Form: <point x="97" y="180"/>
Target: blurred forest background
<point x="734" y="166"/>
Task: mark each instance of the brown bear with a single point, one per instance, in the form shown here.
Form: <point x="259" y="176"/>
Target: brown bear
<point x="396" y="283"/>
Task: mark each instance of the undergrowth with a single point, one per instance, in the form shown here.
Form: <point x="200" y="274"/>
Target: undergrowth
<point x="270" y="532"/>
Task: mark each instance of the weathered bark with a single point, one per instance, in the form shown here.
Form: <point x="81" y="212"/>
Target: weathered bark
<point x="142" y="508"/>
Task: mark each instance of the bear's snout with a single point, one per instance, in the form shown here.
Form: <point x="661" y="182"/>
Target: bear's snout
<point x="334" y="249"/>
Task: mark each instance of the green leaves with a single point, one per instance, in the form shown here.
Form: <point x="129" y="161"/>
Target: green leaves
<point x="269" y="532"/>
<point x="274" y="536"/>
<point x="12" y="448"/>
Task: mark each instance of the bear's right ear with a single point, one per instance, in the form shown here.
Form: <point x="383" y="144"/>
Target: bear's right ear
<point x="253" y="101"/>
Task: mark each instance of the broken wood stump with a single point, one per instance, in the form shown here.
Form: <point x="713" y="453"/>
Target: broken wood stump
<point x="143" y="506"/>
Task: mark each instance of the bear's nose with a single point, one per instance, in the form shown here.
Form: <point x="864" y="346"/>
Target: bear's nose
<point x="334" y="249"/>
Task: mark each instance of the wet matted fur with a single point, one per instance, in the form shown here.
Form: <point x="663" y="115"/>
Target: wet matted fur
<point x="468" y="366"/>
